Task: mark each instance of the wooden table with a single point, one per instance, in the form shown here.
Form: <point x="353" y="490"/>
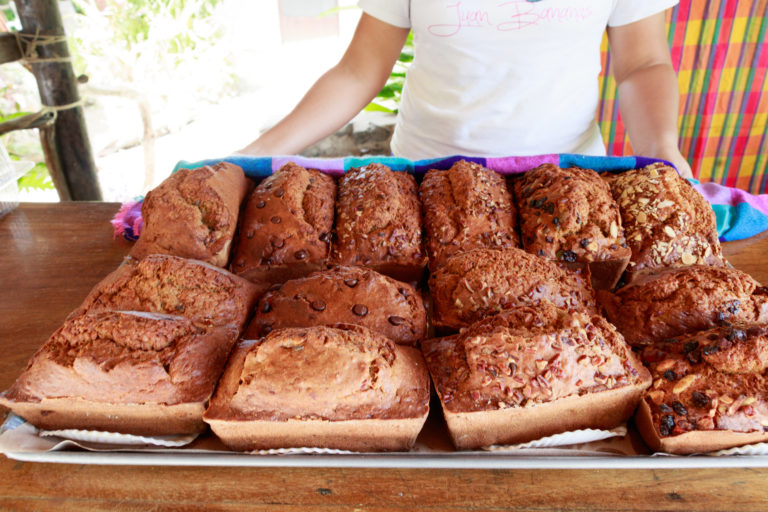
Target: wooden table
<point x="50" y="257"/>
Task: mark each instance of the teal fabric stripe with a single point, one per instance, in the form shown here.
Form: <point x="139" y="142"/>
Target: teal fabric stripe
<point x="738" y="222"/>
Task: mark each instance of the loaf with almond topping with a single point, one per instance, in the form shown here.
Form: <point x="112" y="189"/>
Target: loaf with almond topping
<point x="343" y="387"/>
<point x="378" y="223"/>
<point x="349" y="295"/>
<point x="193" y="214"/>
<point x="466" y="207"/>
<point x="475" y="284"/>
<point x="709" y="391"/>
<point x="127" y="372"/>
<point x="176" y="286"/>
<point x="532" y="372"/>
<point x="569" y="215"/>
<point x="286" y="228"/>
<point x="676" y="301"/>
<point x="666" y="221"/>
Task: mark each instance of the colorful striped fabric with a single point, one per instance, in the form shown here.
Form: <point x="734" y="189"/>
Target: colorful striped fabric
<point x="720" y="51"/>
<point x="739" y="214"/>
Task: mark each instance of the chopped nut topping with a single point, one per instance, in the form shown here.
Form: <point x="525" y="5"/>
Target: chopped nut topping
<point x="684" y="383"/>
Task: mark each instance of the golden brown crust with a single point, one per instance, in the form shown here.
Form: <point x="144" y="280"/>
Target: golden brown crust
<point x="379" y="223"/>
<point x="666" y="221"/>
<point x="175" y="286"/>
<point x="193" y="214"/>
<point x="529" y="361"/>
<point x="709" y="382"/>
<point x="483" y="282"/>
<point x="466" y="207"/>
<point x="286" y="227"/>
<point x="675" y="301"/>
<point x="350" y="295"/>
<point x="569" y="215"/>
<point x="130" y="359"/>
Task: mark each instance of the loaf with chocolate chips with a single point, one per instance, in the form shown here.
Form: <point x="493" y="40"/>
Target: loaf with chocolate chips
<point x="466" y="207"/>
<point x="193" y="214"/>
<point x="709" y="391"/>
<point x="343" y="387"/>
<point x="675" y="301"/>
<point x="378" y="223"/>
<point x="286" y="228"/>
<point x="569" y="215"/>
<point x="531" y="372"/>
<point x="349" y="295"/>
<point x="667" y="223"/>
<point x="123" y="371"/>
<point x="484" y="282"/>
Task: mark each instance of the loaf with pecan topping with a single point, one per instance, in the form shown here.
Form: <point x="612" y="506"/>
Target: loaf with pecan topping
<point x="666" y="221"/>
<point x="709" y="391"/>
<point x="466" y="207"/>
<point x="569" y="215"/>
<point x="378" y="223"/>
<point x="531" y="372"/>
<point x="675" y="301"/>
<point x="176" y="286"/>
<point x="123" y="371"/>
<point x="193" y="214"/>
<point x="483" y="282"/>
<point x="286" y="227"/>
<point x="349" y="295"/>
<point x="343" y="387"/>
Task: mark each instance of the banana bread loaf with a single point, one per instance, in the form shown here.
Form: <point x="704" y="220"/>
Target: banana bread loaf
<point x="128" y="372"/>
<point x="378" y="223"/>
<point x="569" y="215"/>
<point x="709" y="392"/>
<point x="286" y="228"/>
<point x="175" y="286"/>
<point x="345" y="387"/>
<point x="466" y="207"/>
<point x="531" y="372"/>
<point x="666" y="221"/>
<point x="676" y="301"/>
<point x="349" y="295"/>
<point x="483" y="282"/>
<point x="193" y="214"/>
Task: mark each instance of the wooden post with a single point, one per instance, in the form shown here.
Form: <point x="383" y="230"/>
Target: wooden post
<point x="57" y="85"/>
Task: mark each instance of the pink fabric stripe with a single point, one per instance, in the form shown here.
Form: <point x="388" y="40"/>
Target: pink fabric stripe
<point x="718" y="194"/>
<point x="519" y="164"/>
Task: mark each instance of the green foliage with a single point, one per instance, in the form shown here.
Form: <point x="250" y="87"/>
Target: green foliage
<point x="388" y="98"/>
<point x="37" y="178"/>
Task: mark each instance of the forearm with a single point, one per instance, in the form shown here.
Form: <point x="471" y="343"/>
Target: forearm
<point x="649" y="103"/>
<point x="332" y="101"/>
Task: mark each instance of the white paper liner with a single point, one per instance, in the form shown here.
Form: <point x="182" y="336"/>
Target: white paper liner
<point x="563" y="439"/>
<point x="95" y="436"/>
<point x="300" y="451"/>
<point x="750" y="449"/>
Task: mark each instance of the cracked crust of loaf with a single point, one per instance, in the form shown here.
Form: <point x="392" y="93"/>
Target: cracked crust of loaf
<point x="176" y="286"/>
<point x="300" y="386"/>
<point x="531" y="372"/>
<point x="379" y="223"/>
<point x="286" y="227"/>
<point x="674" y="301"/>
<point x="483" y="282"/>
<point x="132" y="362"/>
<point x="666" y="221"/>
<point x="466" y="207"/>
<point x="709" y="391"/>
<point x="569" y="215"/>
<point x="350" y="295"/>
<point x="193" y="214"/>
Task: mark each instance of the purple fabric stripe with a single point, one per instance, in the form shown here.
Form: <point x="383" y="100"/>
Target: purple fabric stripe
<point x="520" y="164"/>
<point x="445" y="163"/>
<point x="719" y="194"/>
<point x="333" y="166"/>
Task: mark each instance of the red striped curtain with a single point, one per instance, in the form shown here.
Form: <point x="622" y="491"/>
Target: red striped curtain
<point x="720" y="52"/>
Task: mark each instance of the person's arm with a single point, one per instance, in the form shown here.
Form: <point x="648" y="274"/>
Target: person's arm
<point x="340" y="94"/>
<point x="649" y="96"/>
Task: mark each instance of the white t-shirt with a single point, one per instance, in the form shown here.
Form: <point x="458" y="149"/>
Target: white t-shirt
<point x="503" y="77"/>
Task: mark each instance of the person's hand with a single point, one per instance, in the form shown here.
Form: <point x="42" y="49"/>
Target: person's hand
<point x="676" y="158"/>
